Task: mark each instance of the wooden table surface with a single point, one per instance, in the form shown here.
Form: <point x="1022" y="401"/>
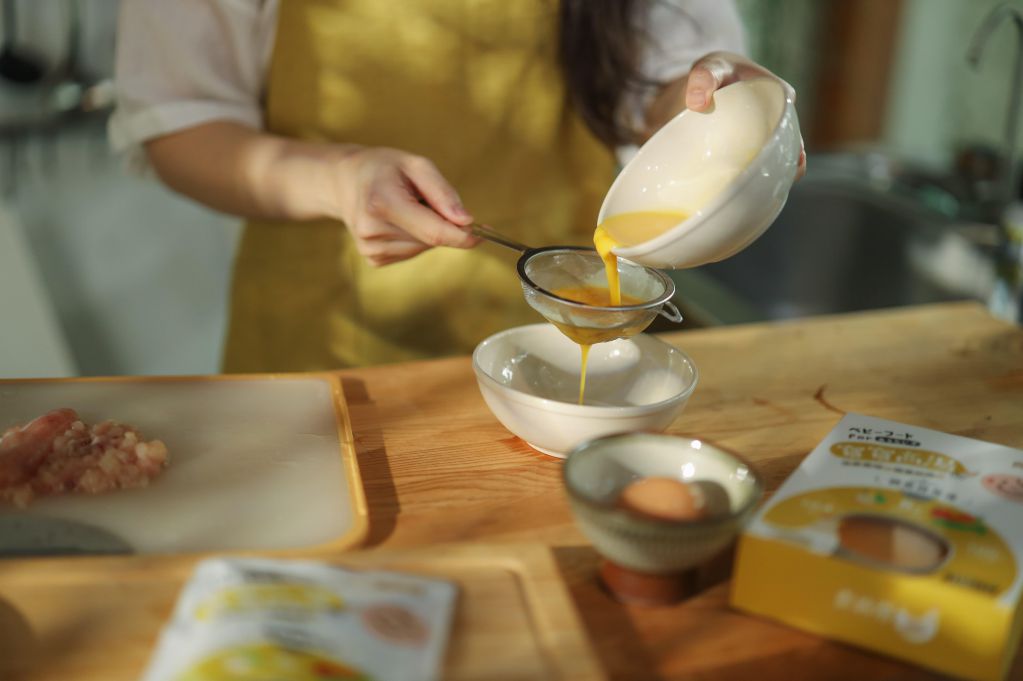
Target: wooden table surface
<point x="437" y="466"/>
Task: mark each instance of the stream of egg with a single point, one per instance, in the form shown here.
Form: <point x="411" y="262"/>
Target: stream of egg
<point x="624" y="229"/>
<point x="585" y="338"/>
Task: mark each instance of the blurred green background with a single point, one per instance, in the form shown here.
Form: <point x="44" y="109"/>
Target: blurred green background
<point x="934" y="103"/>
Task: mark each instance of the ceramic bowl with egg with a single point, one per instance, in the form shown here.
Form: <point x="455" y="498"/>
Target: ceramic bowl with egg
<point x="727" y="171"/>
<point x="529" y="378"/>
<point x="597" y="473"/>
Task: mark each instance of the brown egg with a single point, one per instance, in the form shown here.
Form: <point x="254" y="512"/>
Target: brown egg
<point x="663" y="499"/>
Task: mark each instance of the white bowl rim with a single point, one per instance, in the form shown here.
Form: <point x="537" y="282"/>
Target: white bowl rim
<point x="568" y="408"/>
<point x="733" y="188"/>
<point x="756" y="480"/>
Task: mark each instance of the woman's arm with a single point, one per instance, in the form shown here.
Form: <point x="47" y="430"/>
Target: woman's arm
<point x="193" y="108"/>
<point x="237" y="169"/>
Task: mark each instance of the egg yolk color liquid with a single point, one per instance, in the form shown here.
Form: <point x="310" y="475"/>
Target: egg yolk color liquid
<point x="605" y="243"/>
<point x="629" y="229"/>
<point x="599" y="297"/>
<point x="625" y="229"/>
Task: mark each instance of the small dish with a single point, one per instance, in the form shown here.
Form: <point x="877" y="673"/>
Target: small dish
<point x="645" y="557"/>
<point x="529" y="377"/>
<point x="729" y="170"/>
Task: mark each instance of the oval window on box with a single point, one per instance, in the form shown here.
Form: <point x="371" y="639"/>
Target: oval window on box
<point x="890" y="543"/>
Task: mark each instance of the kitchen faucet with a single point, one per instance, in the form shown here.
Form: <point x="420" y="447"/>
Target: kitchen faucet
<point x="1007" y="300"/>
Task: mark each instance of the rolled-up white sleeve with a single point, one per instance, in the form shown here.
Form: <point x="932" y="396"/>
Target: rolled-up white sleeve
<point x="181" y="63"/>
<point x="677" y="33"/>
<point x="682" y="31"/>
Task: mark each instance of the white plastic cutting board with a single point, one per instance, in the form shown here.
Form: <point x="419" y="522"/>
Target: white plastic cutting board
<point x="256" y="463"/>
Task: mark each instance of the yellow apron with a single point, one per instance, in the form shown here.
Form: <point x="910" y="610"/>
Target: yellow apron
<point x="473" y="85"/>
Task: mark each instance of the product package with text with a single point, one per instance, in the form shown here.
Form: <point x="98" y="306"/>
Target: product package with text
<point x="896" y="538"/>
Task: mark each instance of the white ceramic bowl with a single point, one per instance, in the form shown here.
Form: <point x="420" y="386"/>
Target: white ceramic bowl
<point x="529" y="377"/>
<point x="597" y="471"/>
<point x="729" y="170"/>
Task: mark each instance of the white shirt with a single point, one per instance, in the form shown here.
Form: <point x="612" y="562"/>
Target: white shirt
<point x="181" y="63"/>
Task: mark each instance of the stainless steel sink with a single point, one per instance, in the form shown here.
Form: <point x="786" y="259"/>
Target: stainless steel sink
<point x="845" y="241"/>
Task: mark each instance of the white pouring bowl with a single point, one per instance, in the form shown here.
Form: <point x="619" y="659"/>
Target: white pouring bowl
<point x="729" y="170"/>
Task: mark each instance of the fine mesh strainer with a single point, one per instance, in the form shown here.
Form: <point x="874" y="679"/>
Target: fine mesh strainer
<point x="545" y="270"/>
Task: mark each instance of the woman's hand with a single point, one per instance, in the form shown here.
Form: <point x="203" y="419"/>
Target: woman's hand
<point x="719" y="69"/>
<point x="378" y="192"/>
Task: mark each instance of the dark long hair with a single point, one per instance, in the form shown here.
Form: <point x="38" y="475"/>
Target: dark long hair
<point x="599" y="51"/>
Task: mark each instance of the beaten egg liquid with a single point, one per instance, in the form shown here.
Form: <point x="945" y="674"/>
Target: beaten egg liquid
<point x="625" y="229"/>
<point x="629" y="229"/>
<point x="600" y="297"/>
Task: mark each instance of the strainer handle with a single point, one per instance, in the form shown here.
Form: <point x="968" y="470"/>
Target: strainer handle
<point x="670" y="312"/>
<point x="484" y="232"/>
<point x="492" y="236"/>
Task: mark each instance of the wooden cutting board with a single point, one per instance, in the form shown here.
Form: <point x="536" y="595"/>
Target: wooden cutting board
<point x="262" y="462"/>
<point x="97" y="619"/>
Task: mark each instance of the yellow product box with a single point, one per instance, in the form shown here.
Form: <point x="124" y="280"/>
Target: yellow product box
<point x="899" y="539"/>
